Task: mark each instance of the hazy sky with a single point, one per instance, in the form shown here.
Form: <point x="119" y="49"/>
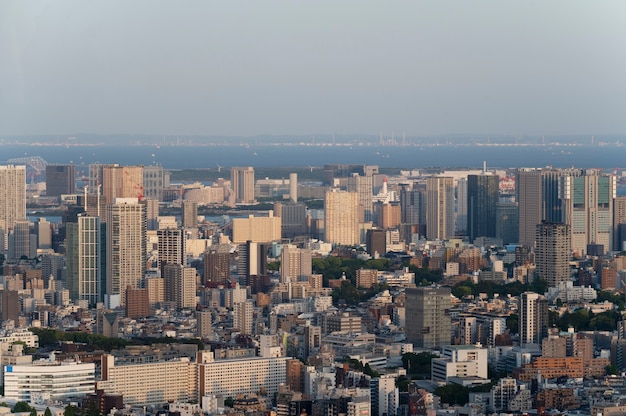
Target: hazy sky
<point x="307" y="67"/>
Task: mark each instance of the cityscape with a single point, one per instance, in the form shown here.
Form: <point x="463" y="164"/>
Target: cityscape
<point x="314" y="208"/>
<point x="473" y="291"/>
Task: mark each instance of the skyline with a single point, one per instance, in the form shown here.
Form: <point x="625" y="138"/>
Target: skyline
<point x="240" y="69"/>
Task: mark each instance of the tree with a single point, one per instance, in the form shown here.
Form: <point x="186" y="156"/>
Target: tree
<point x="229" y="402"/>
<point x="71" y="411"/>
<point x="47" y="412"/>
<point x="21" y="407"/>
<point x="612" y="369"/>
<point x="33" y="412"/>
<point x="453" y="394"/>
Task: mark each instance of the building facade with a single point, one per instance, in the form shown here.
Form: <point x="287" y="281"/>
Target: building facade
<point x="428" y="323"/>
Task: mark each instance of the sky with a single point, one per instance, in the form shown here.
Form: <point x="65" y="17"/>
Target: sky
<point x="245" y="68"/>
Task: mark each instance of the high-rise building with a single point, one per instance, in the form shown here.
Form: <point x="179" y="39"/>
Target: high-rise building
<point x="293" y="187"/>
<point x="152" y="213"/>
<point x="362" y="185"/>
<point x="44" y="234"/>
<point x="428" y="323"/>
<point x="171" y="246"/>
<point x="461" y="208"/>
<point x="180" y="285"/>
<point x="155" y="179"/>
<point x="587" y="207"/>
<point x="388" y="215"/>
<point x="295" y="264"/>
<point x="137" y="303"/>
<point x="376" y="242"/>
<point x="242" y="183"/>
<point x="553" y="252"/>
<point x="341" y="222"/>
<point x="292" y="218"/>
<point x="507" y="222"/>
<point x="252" y="261"/>
<point x="189" y="218"/>
<point x="83" y="251"/>
<point x="440" y="212"/>
<point x="412" y="204"/>
<point x="12" y="195"/>
<point x="482" y="197"/>
<point x="60" y="180"/>
<point x="19" y="240"/>
<point x="203" y="324"/>
<point x="122" y="182"/>
<point x="537" y="194"/>
<point x="217" y="264"/>
<point x="242" y="316"/>
<point x="619" y="223"/>
<point x="126" y="248"/>
<point x="533" y="318"/>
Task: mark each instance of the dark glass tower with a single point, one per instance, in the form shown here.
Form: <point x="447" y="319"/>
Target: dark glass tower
<point x="482" y="197"/>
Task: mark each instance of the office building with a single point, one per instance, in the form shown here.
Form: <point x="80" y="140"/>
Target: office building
<point x="293" y="188"/>
<point x="56" y="380"/>
<point x="428" y="322"/>
<point x="362" y="185"/>
<point x="341" y="222"/>
<point x="366" y="278"/>
<point x="482" y="197"/>
<point x="619" y="223"/>
<point x="152" y="213"/>
<point x="137" y="303"/>
<point x="587" y="207"/>
<point x="384" y="395"/>
<point x="155" y="179"/>
<point x="125" y="246"/>
<point x="44" y="234"/>
<point x="553" y="252"/>
<point x="242" y="183"/>
<point x="20" y="241"/>
<point x="251" y="261"/>
<point x="180" y="285"/>
<point x="60" y="180"/>
<point x="84" y="262"/>
<point x="216" y="264"/>
<point x="389" y="215"/>
<point x="440" y="211"/>
<point x="12" y="195"/>
<point x="460" y="361"/>
<point x="256" y="229"/>
<point x="295" y="264"/>
<point x="412" y="204"/>
<point x="507" y="222"/>
<point x="537" y="194"/>
<point x="461" y="207"/>
<point x="122" y="182"/>
<point x="10" y="305"/>
<point x="292" y="218"/>
<point x="376" y="242"/>
<point x="189" y="217"/>
<point x="533" y="318"/>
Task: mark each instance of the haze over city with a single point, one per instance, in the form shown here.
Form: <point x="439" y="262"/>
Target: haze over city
<point x="276" y="67"/>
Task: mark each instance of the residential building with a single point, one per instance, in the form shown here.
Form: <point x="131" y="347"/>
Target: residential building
<point x="533" y="318"/>
<point x="84" y="259"/>
<point x="256" y="229"/>
<point x="553" y="252"/>
<point x="242" y="183"/>
<point x="440" y="212"/>
<point x="428" y="323"/>
<point x="12" y="195"/>
<point x="460" y="361"/>
<point x="341" y="222"/>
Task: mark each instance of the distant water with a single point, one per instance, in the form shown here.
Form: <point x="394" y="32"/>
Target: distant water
<point x="185" y="157"/>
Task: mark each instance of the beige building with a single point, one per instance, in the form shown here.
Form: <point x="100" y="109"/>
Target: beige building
<point x="295" y="263"/>
<point x="440" y="208"/>
<point x="366" y="278"/>
<point x="341" y="218"/>
<point x="12" y="195"/>
<point x="242" y="182"/>
<point x="126" y="249"/>
<point x="122" y="182"/>
<point x="180" y="285"/>
<point x="256" y="229"/>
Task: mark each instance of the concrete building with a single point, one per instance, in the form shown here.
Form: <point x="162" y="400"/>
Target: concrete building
<point x="533" y="318"/>
<point x="256" y="229"/>
<point x="189" y="217"/>
<point x="295" y="264"/>
<point x="461" y="209"/>
<point x="341" y="222"/>
<point x="171" y="246"/>
<point x="553" y="252"/>
<point x="84" y="260"/>
<point x="412" y="204"/>
<point x="155" y="179"/>
<point x="376" y="242"/>
<point x="180" y="285"/>
<point x="619" y="223"/>
<point x="482" y="197"/>
<point x="507" y="222"/>
<point x="48" y="380"/>
<point x="60" y="180"/>
<point x="587" y="207"/>
<point x="243" y="316"/>
<point x="388" y="216"/>
<point x="362" y="185"/>
<point x="428" y="323"/>
<point x="126" y="248"/>
<point x="440" y="211"/>
<point x="242" y="182"/>
<point x="460" y="361"/>
<point x="216" y="264"/>
<point x="122" y="182"/>
<point x="366" y="278"/>
<point x="12" y="195"/>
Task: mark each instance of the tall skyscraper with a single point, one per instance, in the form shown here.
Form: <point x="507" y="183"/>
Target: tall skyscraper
<point x="155" y="179"/>
<point x="587" y="205"/>
<point x="295" y="264"/>
<point x="341" y="222"/>
<point x="122" y="182"/>
<point x="190" y="214"/>
<point x="152" y="213"/>
<point x="428" y="322"/>
<point x="180" y="285"/>
<point x="362" y="185"/>
<point x="19" y="240"/>
<point x="242" y="183"/>
<point x="533" y="318"/>
<point x="83" y="251"/>
<point x="461" y="209"/>
<point x="293" y="188"/>
<point x="171" y="246"/>
<point x="507" y="222"/>
<point x="126" y="248"/>
<point x="242" y="316"/>
<point x="537" y="195"/>
<point x="553" y="252"/>
<point x="252" y="261"/>
<point x="60" y="180"/>
<point x="412" y="204"/>
<point x="440" y="212"/>
<point x="619" y="223"/>
<point x="388" y="215"/>
<point x="482" y="197"/>
<point x="12" y="195"/>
